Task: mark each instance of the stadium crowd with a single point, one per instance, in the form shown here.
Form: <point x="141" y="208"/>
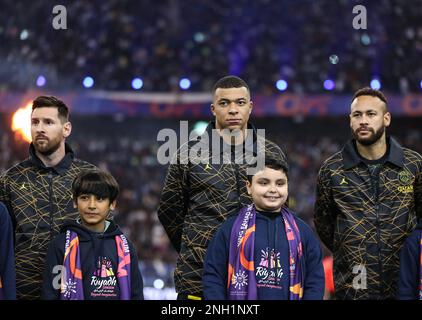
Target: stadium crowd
<point x="303" y="42"/>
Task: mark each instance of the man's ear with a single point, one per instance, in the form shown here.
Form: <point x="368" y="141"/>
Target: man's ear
<point x="67" y="129"/>
<point x="387" y="119"/>
<point x="113" y="205"/>
<point x="212" y="109"/>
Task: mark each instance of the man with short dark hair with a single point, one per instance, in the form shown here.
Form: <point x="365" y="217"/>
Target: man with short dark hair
<point x="369" y="196"/>
<point x="199" y="195"/>
<point x="37" y="191"/>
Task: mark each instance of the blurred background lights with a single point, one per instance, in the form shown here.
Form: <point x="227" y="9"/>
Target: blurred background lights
<point x="184" y="83"/>
<point x="281" y="84"/>
<point x="137" y="83"/>
<point x="158" y="284"/>
<point x="333" y="59"/>
<point x="329" y="84"/>
<point x="88" y="82"/>
<point x="365" y="40"/>
<point x="199" y="37"/>
<point x="41" y="81"/>
<point x="375" y="84"/>
<point x="24" y="34"/>
<point x="199" y="127"/>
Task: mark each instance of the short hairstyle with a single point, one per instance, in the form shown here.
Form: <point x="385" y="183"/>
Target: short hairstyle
<point x="228" y="82"/>
<point x="367" y="91"/>
<point x="271" y="162"/>
<point x="52" y="102"/>
<point x="96" y="182"/>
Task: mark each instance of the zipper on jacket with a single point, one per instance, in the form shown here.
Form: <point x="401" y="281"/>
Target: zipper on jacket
<point x="236" y="172"/>
<point x="375" y="188"/>
<point x="50" y="199"/>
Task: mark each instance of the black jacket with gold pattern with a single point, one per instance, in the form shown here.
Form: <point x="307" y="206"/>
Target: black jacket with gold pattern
<point x="363" y="217"/>
<point x="39" y="200"/>
<point x="198" y="198"/>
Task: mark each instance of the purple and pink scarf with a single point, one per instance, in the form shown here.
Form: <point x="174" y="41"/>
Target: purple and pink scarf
<point x="241" y="281"/>
<point x="71" y="282"/>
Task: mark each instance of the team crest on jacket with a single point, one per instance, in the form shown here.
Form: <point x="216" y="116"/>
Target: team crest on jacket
<point x="404" y="177"/>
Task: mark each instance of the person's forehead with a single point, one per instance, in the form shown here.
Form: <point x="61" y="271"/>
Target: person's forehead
<point x="45" y="112"/>
<point x="364" y="103"/>
<point x="231" y="93"/>
<point x="269" y="173"/>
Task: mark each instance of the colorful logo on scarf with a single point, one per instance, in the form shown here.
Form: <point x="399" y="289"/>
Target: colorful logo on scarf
<point x="240" y="279"/>
<point x="69" y="288"/>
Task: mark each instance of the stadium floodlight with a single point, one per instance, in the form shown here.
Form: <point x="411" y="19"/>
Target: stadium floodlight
<point x="88" y="82"/>
<point x="375" y="84"/>
<point x="158" y="284"/>
<point x="200" y="127"/>
<point x="329" y="84"/>
<point x="137" y="83"/>
<point x="333" y="59"/>
<point x="184" y="83"/>
<point x="281" y="84"/>
<point x="41" y="81"/>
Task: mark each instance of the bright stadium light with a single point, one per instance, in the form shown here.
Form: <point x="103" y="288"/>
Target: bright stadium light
<point x="184" y="83"/>
<point x="41" y="81"/>
<point x="333" y="59"/>
<point x="88" y="82"/>
<point x="281" y="84"/>
<point x="158" y="284"/>
<point x="137" y="83"/>
<point x="375" y="84"/>
<point x="329" y="84"/>
<point x="200" y="127"/>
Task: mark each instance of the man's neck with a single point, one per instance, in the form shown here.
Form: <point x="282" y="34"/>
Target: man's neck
<point x="53" y="159"/>
<point x="233" y="138"/>
<point x="373" y="152"/>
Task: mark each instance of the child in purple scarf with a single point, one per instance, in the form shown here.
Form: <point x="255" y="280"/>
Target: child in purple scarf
<point x="91" y="258"/>
<point x="265" y="252"/>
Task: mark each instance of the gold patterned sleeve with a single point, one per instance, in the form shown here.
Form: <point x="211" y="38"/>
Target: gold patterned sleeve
<point x="324" y="217"/>
<point x="173" y="204"/>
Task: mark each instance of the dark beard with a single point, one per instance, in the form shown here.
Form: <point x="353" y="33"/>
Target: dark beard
<point x="372" y="139"/>
<point x="49" y="150"/>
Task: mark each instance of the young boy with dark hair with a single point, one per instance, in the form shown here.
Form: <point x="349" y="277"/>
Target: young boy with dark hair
<point x="265" y="252"/>
<point x="91" y="257"/>
<point x="7" y="256"/>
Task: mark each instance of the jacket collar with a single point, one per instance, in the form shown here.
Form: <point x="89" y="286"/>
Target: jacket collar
<point x="351" y="157"/>
<point x="61" y="168"/>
